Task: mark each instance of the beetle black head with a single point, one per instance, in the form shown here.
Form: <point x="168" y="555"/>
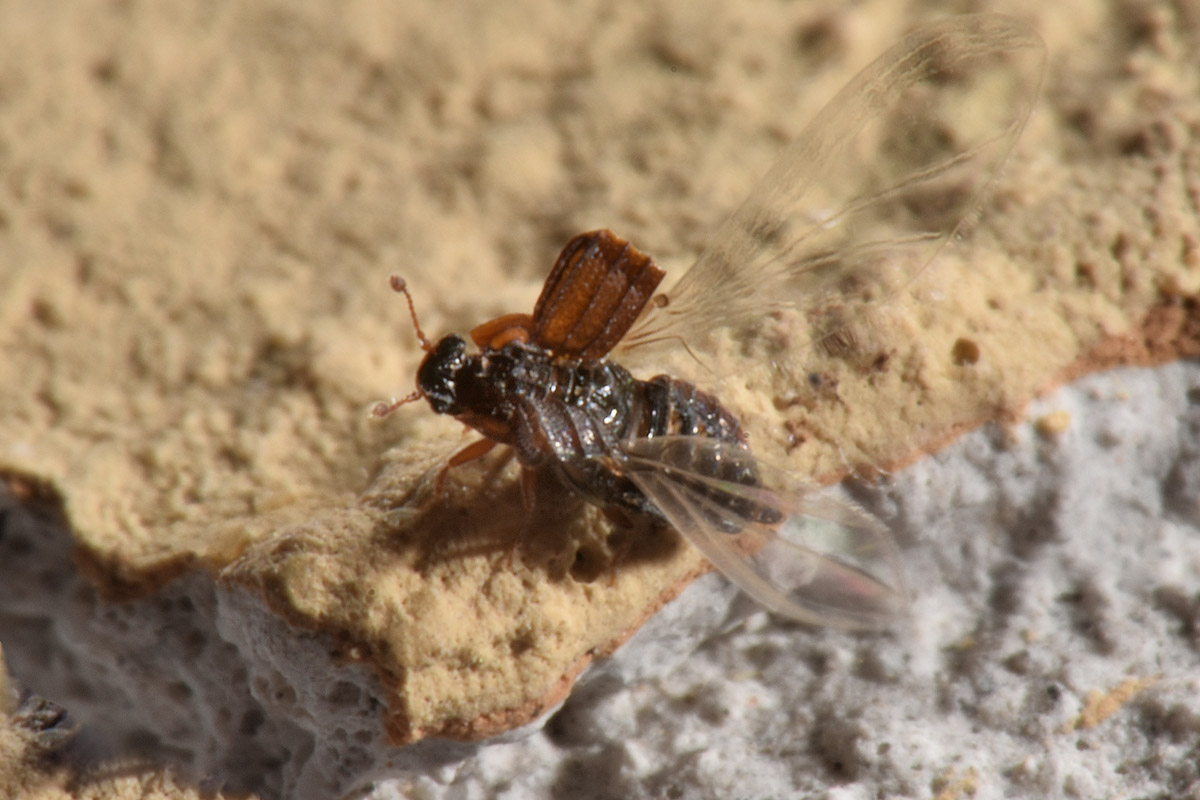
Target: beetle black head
<point x="438" y="372"/>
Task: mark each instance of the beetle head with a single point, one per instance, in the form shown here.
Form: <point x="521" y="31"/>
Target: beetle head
<point x="438" y="374"/>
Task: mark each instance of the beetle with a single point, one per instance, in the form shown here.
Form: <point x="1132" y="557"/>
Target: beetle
<point x="856" y="207"/>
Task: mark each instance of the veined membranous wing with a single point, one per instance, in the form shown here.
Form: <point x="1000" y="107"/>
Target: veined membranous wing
<point x="861" y="201"/>
<point x="895" y="166"/>
<point x="798" y="552"/>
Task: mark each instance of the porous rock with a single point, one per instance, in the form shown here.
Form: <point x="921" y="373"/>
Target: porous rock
<point x="197" y="223"/>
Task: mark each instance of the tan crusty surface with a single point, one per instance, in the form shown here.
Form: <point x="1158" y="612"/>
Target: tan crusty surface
<point x="200" y="205"/>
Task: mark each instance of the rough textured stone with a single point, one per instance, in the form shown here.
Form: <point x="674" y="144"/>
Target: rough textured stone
<point x="199" y="208"/>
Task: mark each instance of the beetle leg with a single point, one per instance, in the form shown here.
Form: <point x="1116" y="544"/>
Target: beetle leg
<point x="528" y="489"/>
<point x="500" y="331"/>
<point x="472" y="452"/>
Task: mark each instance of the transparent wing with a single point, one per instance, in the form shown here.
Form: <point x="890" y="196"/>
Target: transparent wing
<point x="799" y="553"/>
<point x="867" y="194"/>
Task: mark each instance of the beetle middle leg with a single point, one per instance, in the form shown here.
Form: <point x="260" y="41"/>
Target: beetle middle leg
<point x="472" y="452"/>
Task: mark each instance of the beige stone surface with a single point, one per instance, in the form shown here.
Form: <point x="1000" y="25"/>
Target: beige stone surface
<point x="200" y="204"/>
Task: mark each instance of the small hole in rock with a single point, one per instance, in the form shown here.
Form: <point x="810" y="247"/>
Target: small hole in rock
<point x="589" y="564"/>
<point x="965" y="352"/>
<point x="252" y="720"/>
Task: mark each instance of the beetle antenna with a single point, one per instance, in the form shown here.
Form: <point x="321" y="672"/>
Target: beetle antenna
<point x="398" y="285"/>
<point x="382" y="409"/>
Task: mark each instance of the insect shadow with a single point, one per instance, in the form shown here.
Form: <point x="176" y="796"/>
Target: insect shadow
<point x="478" y="513"/>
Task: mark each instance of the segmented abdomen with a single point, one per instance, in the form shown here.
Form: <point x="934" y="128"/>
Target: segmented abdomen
<point x="677" y="408"/>
<point x="582" y="418"/>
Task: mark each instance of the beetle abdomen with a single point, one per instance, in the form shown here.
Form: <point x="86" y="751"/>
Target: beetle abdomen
<point x="677" y="408"/>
